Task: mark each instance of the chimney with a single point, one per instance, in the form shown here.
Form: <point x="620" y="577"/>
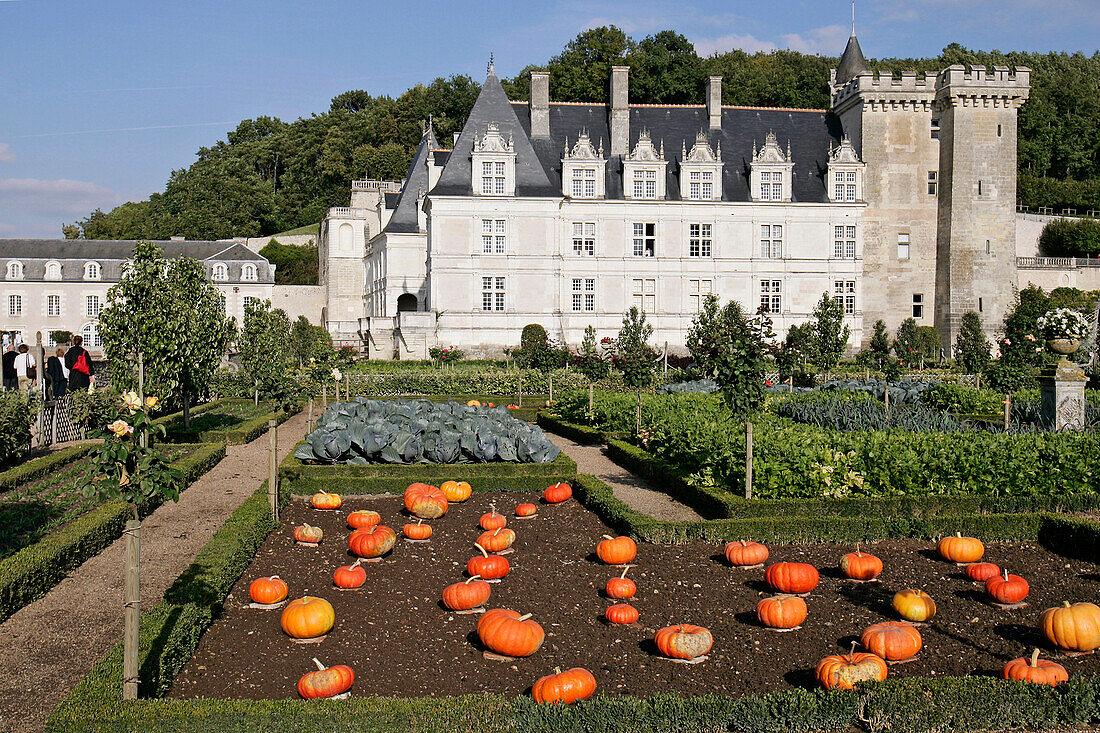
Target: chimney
<point x="620" y="110"/>
<point x="540" y="104"/>
<point x="714" y="102"/>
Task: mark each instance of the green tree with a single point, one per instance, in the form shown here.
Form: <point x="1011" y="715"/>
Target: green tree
<point x="265" y="352"/>
<point x="589" y="359"/>
<point x="294" y="264"/>
<point x="172" y="315"/>
<point x="664" y="68"/>
<point x="634" y="357"/>
<point x="830" y="332"/>
<point x="741" y="361"/>
<point x="907" y="343"/>
<point x="792" y="355"/>
<point x="705" y="338"/>
<point x="582" y="71"/>
<point x="71" y="231"/>
<point x="1070" y="238"/>
<point x="309" y="342"/>
<point x="1021" y="346"/>
<point x="971" y="345"/>
<point x="880" y="339"/>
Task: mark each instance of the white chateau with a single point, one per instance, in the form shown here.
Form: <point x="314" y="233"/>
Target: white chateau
<point x="899" y="200"/>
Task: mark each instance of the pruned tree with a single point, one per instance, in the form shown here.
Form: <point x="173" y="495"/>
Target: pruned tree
<point x="971" y="345"/>
<point x="634" y="357"/>
<point x="265" y="352"/>
<point x="830" y="332"/>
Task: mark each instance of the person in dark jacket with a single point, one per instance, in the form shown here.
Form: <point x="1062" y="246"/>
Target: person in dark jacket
<point x="11" y="381"/>
<point x="57" y="374"/>
<point x="78" y="378"/>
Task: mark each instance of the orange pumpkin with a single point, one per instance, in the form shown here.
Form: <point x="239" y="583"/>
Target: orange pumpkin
<point x="363" y="518"/>
<point x="961" y="549"/>
<point x="566" y="687"/>
<point x="1072" y="627"/>
<point x="325" y="500"/>
<point x="844" y="671"/>
<point x="746" y="554"/>
<point x="616" y="550"/>
<point x="326" y="682"/>
<point x="473" y="403"/>
<point x="497" y="540"/>
<point x="621" y="587"/>
<point x="1007" y="589"/>
<point x="914" y="605"/>
<point x="489" y="567"/>
<point x="526" y="510"/>
<point x="792" y="577"/>
<point x="1039" y="671"/>
<point x="418" y="531"/>
<point x="373" y="541"/>
<point x="491" y="520"/>
<point x="464" y="596"/>
<point x="424" y="501"/>
<point x="892" y="640"/>
<point x="268" y="590"/>
<point x="504" y="631"/>
<point x="308" y="617"/>
<point x="308" y="534"/>
<point x="621" y="613"/>
<point x="683" y="641"/>
<point x="781" y="612"/>
<point x="456" y="491"/>
<point x="349" y="576"/>
<point x="860" y="565"/>
<point x="557" y="493"/>
<point x="982" y="571"/>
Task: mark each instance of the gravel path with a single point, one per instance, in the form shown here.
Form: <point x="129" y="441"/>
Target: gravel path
<point x="49" y="646"/>
<point x="633" y="491"/>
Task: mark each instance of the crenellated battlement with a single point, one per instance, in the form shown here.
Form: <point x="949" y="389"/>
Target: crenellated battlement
<point x="887" y="88"/>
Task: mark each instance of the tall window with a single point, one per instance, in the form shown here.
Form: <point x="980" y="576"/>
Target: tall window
<point x="492" y="294"/>
<point x="93" y="306"/>
<point x="645" y="240"/>
<point x="697" y="291"/>
<point x="844" y="242"/>
<point x="584" y="294"/>
<point x="699" y="240"/>
<point x="645" y="184"/>
<point x="492" y="177"/>
<point x="771" y="186"/>
<point x="493" y="236"/>
<point x="15" y="270"/>
<point x="845" y="182"/>
<point x="584" y="238"/>
<point x="845" y="292"/>
<point x="221" y="271"/>
<point x="645" y="294"/>
<point x="584" y="182"/>
<point x="53" y="271"/>
<point x="91" y="271"/>
<point x="53" y="306"/>
<point x="92" y="337"/>
<point x="903" y="245"/>
<point x="15" y="305"/>
<point x="933" y="181"/>
<point x="250" y="302"/>
<point x="694" y="185"/>
<point x="248" y="273"/>
<point x="708" y="185"/>
<point x="918" y="305"/>
<point x="771" y="295"/>
<point x="771" y="241"/>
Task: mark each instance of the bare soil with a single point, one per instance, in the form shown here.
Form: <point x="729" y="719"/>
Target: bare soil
<point x="402" y="642"/>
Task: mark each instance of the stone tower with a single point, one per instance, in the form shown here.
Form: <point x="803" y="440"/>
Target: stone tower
<point x="976" y="243"/>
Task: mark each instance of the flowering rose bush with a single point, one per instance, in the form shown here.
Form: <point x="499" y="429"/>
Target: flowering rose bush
<point x="1065" y="323"/>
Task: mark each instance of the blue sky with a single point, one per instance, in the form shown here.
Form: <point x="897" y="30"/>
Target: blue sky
<point x="102" y="100"/>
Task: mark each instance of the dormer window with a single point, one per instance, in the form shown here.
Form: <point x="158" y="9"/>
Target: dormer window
<point x="53" y="270"/>
<point x="845" y="177"/>
<point x="92" y="271"/>
<point x="494" y="163"/>
<point x="583" y="169"/>
<point x="221" y="271"/>
<point x="771" y="171"/>
<point x="15" y="271"/>
<point x="700" y="170"/>
<point x="644" y="169"/>
<point x="248" y="273"/>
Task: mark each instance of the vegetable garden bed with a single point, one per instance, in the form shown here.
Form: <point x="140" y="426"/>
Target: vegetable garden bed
<point x="233" y="421"/>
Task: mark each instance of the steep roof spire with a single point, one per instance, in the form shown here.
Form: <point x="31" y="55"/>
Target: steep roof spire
<point x="852" y="62"/>
<point x="490" y="70"/>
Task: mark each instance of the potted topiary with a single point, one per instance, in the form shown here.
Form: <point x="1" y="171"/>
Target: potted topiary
<point x="1064" y="329"/>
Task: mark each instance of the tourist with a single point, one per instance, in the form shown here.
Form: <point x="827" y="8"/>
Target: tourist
<point x="25" y="368"/>
<point x="57" y="374"/>
<point x="10" y="380"/>
<point x="79" y="363"/>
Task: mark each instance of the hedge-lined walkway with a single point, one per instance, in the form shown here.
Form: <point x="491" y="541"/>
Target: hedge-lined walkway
<point x="633" y="491"/>
<point x="50" y="645"/>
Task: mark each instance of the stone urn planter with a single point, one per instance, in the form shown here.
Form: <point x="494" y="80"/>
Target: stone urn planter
<point x="1065" y="347"/>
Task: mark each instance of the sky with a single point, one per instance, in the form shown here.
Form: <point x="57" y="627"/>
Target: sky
<point x="101" y="101"/>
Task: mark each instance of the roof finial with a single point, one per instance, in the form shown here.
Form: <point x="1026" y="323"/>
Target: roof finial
<point x="490" y="70"/>
<point x="853" y="17"/>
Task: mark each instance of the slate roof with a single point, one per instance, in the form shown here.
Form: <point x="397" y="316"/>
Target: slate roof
<point x="391" y="199"/>
<point x="852" y="63"/>
<point x="406" y="217"/>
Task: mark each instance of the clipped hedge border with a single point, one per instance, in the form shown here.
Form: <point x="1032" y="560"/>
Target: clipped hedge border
<point x="36" y="468"/>
<point x="292" y="468"/>
<point x="171" y="631"/>
<point x="30" y="573"/>
<point x="582" y="434"/>
<point x="244" y="432"/>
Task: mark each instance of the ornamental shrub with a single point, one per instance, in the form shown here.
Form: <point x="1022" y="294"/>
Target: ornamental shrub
<point x="971" y="345"/>
<point x="830" y="333"/>
<point x="1070" y="238"/>
<point x="589" y="360"/>
<point x="17" y="412"/>
<point x="94" y="408"/>
<point x="907" y="343"/>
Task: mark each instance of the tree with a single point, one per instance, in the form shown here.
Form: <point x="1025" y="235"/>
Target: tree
<point x="907" y="343"/>
<point x="704" y="339"/>
<point x="308" y="341"/>
<point x="796" y="350"/>
<point x="880" y="340"/>
<point x="582" y="71"/>
<point x="171" y="314"/>
<point x="295" y="264"/>
<point x="1021" y="345"/>
<point x="741" y="361"/>
<point x="634" y="357"/>
<point x="71" y="231"/>
<point x="971" y="345"/>
<point x="265" y="350"/>
<point x="589" y="359"/>
<point x="664" y="68"/>
<point x="1070" y="238"/>
<point x="830" y="332"/>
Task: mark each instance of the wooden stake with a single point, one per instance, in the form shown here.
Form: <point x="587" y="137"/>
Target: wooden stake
<point x="132" y="612"/>
<point x="551" y="378"/>
<point x="141" y="393"/>
<point x="886" y="395"/>
<point x="748" y="459"/>
<point x="591" y="398"/>
<point x="1008" y="412"/>
<point x="309" y="420"/>
<point x="272" y="481"/>
<point x="324" y="395"/>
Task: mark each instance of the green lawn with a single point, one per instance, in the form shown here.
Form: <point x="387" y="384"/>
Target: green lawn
<point x="314" y="229"/>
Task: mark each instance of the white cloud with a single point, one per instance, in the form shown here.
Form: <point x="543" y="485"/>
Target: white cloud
<point x="54" y="197"/>
<point x="746" y="42"/>
<point x="828" y="40"/>
<point x="6" y="154"/>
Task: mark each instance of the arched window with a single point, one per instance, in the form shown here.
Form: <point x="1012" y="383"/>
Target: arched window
<point x="91" y="271"/>
<point x="15" y="270"/>
<point x="92" y="339"/>
<point x="221" y="271"/>
<point x="248" y="273"/>
<point x="345" y="238"/>
<point x="53" y="270"/>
